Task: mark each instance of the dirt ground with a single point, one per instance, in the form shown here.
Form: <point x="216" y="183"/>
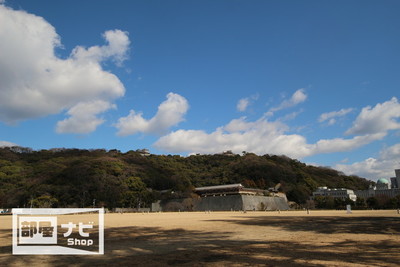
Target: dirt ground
<point x="287" y="238"/>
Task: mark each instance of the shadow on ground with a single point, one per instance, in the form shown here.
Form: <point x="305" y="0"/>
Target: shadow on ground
<point x="151" y="246"/>
<point x="327" y="224"/>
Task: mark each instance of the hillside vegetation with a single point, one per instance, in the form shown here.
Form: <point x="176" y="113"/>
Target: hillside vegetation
<point x="82" y="178"/>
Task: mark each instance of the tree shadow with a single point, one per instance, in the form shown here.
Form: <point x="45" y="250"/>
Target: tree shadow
<point x="155" y="246"/>
<point x="327" y="224"/>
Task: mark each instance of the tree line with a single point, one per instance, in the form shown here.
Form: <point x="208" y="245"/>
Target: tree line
<point x="110" y="178"/>
<point x="375" y="202"/>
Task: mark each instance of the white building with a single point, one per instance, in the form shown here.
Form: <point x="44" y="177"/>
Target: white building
<point x="382" y="188"/>
<point x="341" y="193"/>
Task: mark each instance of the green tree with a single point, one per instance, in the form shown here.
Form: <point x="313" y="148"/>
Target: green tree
<point x="339" y="203"/>
<point x="44" y="201"/>
<point x="372" y="202"/>
<point x="330" y="202"/>
<point x="320" y="202"/>
<point x="360" y="203"/>
<point x="136" y="194"/>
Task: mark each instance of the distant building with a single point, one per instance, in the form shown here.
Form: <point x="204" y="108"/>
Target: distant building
<point x="229" y="189"/>
<point x="382" y="188"/>
<point x="341" y="193"/>
<point x="20" y="149"/>
<point x="238" y="197"/>
<point x="230" y="197"/>
<point x="382" y="184"/>
<point x="395" y="181"/>
<point x="143" y="152"/>
<point x="228" y="153"/>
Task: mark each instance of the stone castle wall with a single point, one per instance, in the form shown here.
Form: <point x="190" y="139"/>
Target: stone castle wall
<point x="222" y="203"/>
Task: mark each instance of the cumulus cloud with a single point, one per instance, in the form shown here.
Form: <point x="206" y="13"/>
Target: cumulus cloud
<point x="6" y="143"/>
<point x="298" y="97"/>
<point x="331" y="116"/>
<point x="83" y="118"/>
<point x="379" y="119"/>
<point x="264" y="136"/>
<point x="374" y="168"/>
<point x="238" y="135"/>
<point x="340" y="144"/>
<point x="36" y="83"/>
<point x="261" y="137"/>
<point x="116" y="49"/>
<point x="170" y="113"/>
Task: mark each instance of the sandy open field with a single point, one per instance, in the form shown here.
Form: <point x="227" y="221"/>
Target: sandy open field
<point x="290" y="238"/>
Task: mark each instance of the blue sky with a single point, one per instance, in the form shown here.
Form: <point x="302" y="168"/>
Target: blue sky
<point x="314" y="80"/>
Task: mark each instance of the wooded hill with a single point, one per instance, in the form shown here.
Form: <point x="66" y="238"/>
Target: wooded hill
<point x="77" y="178"/>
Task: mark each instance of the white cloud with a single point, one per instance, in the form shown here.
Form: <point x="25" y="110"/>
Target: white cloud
<point x="83" y="118"/>
<point x="291" y="116"/>
<point x="330" y="116"/>
<point x="340" y="144"/>
<point x="243" y="104"/>
<point x="7" y="144"/>
<point x="116" y="49"/>
<point x="261" y="137"/>
<point x="378" y="119"/>
<point x="272" y="137"/>
<point x="170" y="113"/>
<point x="36" y="83"/>
<point x="298" y="97"/>
<point x="331" y="121"/>
<point x="374" y="168"/>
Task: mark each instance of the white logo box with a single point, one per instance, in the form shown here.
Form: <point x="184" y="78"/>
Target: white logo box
<point x="23" y="245"/>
